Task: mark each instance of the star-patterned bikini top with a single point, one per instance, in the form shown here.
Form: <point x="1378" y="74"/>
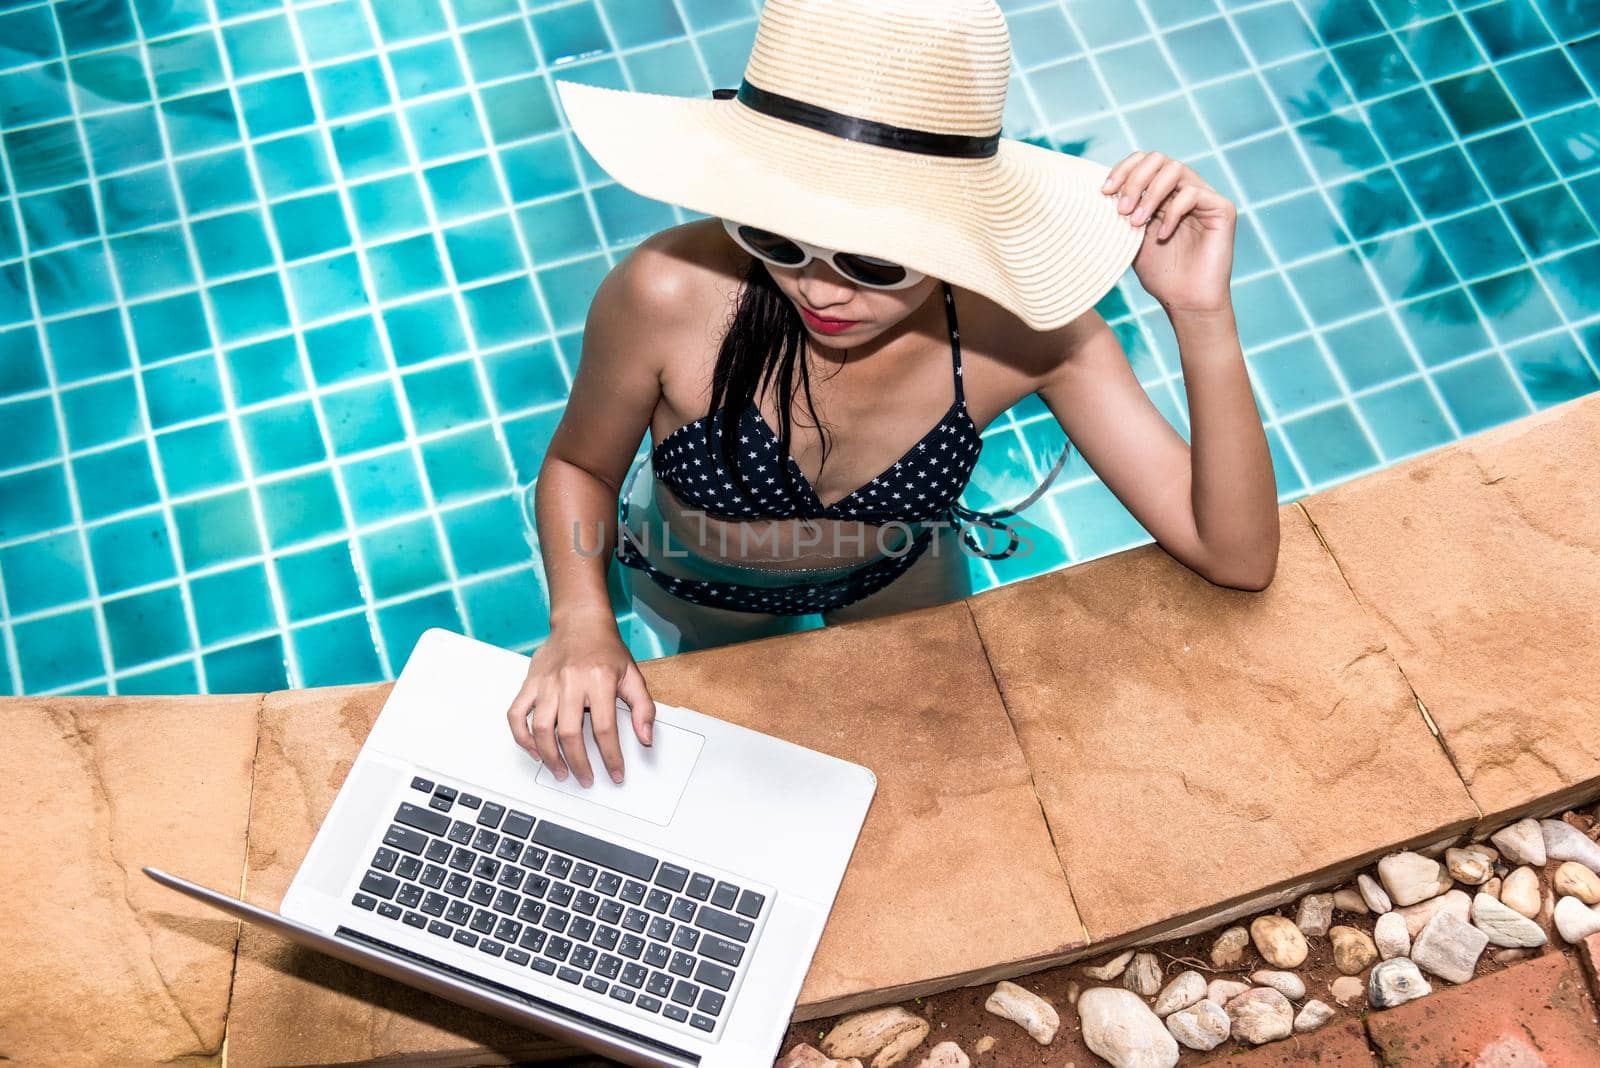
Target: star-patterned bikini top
<point x="922" y="485"/>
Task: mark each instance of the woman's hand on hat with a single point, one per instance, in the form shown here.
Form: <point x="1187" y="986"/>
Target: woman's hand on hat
<point x="1186" y="260"/>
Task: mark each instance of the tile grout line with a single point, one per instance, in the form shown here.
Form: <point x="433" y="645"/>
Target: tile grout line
<point x="1416" y="698"/>
<point x="1033" y="786"/>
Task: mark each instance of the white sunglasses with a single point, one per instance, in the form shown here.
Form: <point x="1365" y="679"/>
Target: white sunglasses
<point x="783" y="251"/>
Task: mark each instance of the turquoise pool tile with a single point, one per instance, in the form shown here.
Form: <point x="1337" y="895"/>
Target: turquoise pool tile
<point x="1372" y="206"/>
<point x="228" y="604"/>
<point x="216" y="530"/>
<point x="72" y="278"/>
<point x="86" y="346"/>
<point x="517" y="110"/>
<point x="1569" y="138"/>
<point x="30" y="35"/>
<point x="215" y="181"/>
<point x="57" y="651"/>
<point x="568" y="32"/>
<point x="1444" y="327"/>
<point x="1236" y="108"/>
<point x="402" y="624"/>
<point x="507" y="610"/>
<point x="568" y="291"/>
<point x="122" y="140"/>
<point x="388" y="206"/>
<point x="318" y="582"/>
<point x="500" y="51"/>
<point x="10" y="237"/>
<point x="14" y="305"/>
<point x="249" y="307"/>
<point x="1549" y="221"/>
<point x="505" y="312"/>
<point x="486" y="535"/>
<point x="1268" y="168"/>
<point x="35" y="95"/>
<point x="260" y="46"/>
<point x="115" y="480"/>
<point x="151" y="263"/>
<point x="446" y="127"/>
<point x="345" y="350"/>
<point x="231" y="244"/>
<point x="198" y="457"/>
<point x="131" y="552"/>
<point x="31" y="433"/>
<point x="337" y="652"/>
<point x="402" y="20"/>
<point x="310" y="225"/>
<point x="465" y="187"/>
<point x="1205" y="50"/>
<point x="44" y="573"/>
<point x="1274" y="32"/>
<point x="1508" y="28"/>
<point x="59" y="217"/>
<point x="483" y="248"/>
<point x="91" y="24"/>
<point x="201" y="122"/>
<point x="626" y="217"/>
<point x="558" y="229"/>
<point x="444" y="398"/>
<point x="1334" y="287"/>
<point x="1480" y="394"/>
<point x="108" y="80"/>
<point x="22" y="367"/>
<point x="183" y="391"/>
<point x="708" y="14"/>
<point x="1442" y="182"/>
<point x="351" y="88"/>
<point x="264" y="371"/>
<point x="1330" y="444"/>
<point x="407" y="267"/>
<point x="45" y="156"/>
<point x="282" y="437"/>
<point x="1475" y="102"/>
<point x="174" y="678"/>
<point x="292" y="164"/>
<point x="430" y="67"/>
<point x="528" y="439"/>
<point x="146" y="626"/>
<point x="169" y="327"/>
<point x="1544" y="82"/>
<point x="1574" y="278"/>
<point x="667" y="68"/>
<point x="159" y="17"/>
<point x="1553" y="370"/>
<point x="1300" y="226"/>
<point x="539" y="168"/>
<point x="249" y="667"/>
<point x="369" y="146"/>
<point x="186" y="64"/>
<point x="1096" y="522"/>
<point x="1374" y="66"/>
<point x="1510" y="161"/>
<point x="469" y="12"/>
<point x="403" y="559"/>
<point x="465" y="464"/>
<point x="33" y="502"/>
<point x="524" y="377"/>
<point x="300" y="508"/>
<point x="1440" y="47"/>
<point x="1405" y="419"/>
<point x="277" y="104"/>
<point x="1409" y="264"/>
<point x="1515" y="305"/>
<point x="726" y="50"/>
<point x="363" y="417"/>
<point x="424" y="329"/>
<point x="1369" y="352"/>
<point x="328" y="287"/>
<point x="333" y="30"/>
<point x="383" y="486"/>
<point x="102" y="412"/>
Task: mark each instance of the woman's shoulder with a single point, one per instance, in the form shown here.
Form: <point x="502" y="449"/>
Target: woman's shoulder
<point x="677" y="276"/>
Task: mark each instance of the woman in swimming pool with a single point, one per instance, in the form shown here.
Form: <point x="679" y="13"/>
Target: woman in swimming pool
<point x="868" y="225"/>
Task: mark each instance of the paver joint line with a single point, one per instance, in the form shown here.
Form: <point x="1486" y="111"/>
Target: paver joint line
<point x="1422" y="710"/>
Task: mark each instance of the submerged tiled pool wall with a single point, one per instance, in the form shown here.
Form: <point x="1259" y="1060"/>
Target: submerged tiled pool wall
<point x="291" y="293"/>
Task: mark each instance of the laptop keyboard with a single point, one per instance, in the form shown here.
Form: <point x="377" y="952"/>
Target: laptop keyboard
<point x="664" y="940"/>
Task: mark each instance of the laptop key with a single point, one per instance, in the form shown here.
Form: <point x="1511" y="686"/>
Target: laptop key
<point x="606" y="937"/>
<point x="610" y="911"/>
<point x="659" y="984"/>
<point x="535" y="885"/>
<point x="534" y="857"/>
<point x="385" y="859"/>
<point x="580" y="930"/>
<point x="622" y="994"/>
<point x="657" y="955"/>
<point x="724" y="895"/>
<point x="507" y="930"/>
<point x="711" y="973"/>
<point x="419" y="783"/>
<point x="460" y="832"/>
<point x="750" y="904"/>
<point x="543" y="964"/>
<point x="364" y="901"/>
<point x="595" y="850"/>
<point x="632" y="946"/>
<point x="582" y="957"/>
<point x="441" y="804"/>
<point x="422" y="819"/>
<point x="486" y="868"/>
<point x="711" y="1001"/>
<point x="517" y="956"/>
<point x="560" y="894"/>
<point x="531" y="910"/>
<point x="685" y="937"/>
<point x="482" y="893"/>
<point x="409" y="895"/>
<point x="596" y="984"/>
<point x="466" y="938"/>
<point x="458" y="913"/>
<point x="433" y="876"/>
<point x="483" y="921"/>
<point x="389" y="910"/>
<point x="721" y="949"/>
<point x="485" y="840"/>
<point x="724" y="923"/>
<point x="533" y="939"/>
<point x="511" y="876"/>
<point x="446" y="792"/>
<point x="434" y="904"/>
<point x="632" y="892"/>
<point x="506" y="901"/>
<point x="405" y="838"/>
<point x="684" y="992"/>
<point x="635" y="975"/>
<point x="585" y="902"/>
<point x="443" y="930"/>
<point x="508" y="849"/>
<point x="700" y="887"/>
<point x="470" y="800"/>
<point x="457" y="885"/>
<point x="491" y="947"/>
<point x="635" y="920"/>
<point x="648" y="1003"/>
<point x="462" y="859"/>
<point x="584" y="874"/>
<point x="559" y="866"/>
<point x="675" y="1012"/>
<point x="380" y="884"/>
<point x="660" y="929"/>
<point x="657" y="900"/>
<point x="682" y="909"/>
<point x="608" y="965"/>
<point x="414" y="919"/>
<point x="489" y="815"/>
<point x="569" y="975"/>
<point x="408" y="867"/>
<point x="557" y="948"/>
<point x="704" y="1023"/>
<point x="518" y="824"/>
<point x="556" y="920"/>
<point x="682" y="964"/>
<point x="608" y="883"/>
<point x="438" y="851"/>
<point x="672" y="877"/>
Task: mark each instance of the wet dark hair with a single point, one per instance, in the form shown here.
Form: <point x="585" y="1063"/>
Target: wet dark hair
<point x="765" y="341"/>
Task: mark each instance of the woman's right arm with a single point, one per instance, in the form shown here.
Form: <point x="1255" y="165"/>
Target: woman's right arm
<point x="614" y="391"/>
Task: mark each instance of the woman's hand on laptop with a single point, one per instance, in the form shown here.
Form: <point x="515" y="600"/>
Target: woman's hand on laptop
<point x="583" y="662"/>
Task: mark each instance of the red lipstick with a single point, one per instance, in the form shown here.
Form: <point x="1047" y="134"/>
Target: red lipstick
<point x="826" y="326"/>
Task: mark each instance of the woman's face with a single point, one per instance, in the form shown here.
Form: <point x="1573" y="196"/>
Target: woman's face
<point x="827" y="301"/>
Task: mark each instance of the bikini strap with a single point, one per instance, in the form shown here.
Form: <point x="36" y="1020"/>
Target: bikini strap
<point x="955" y="339"/>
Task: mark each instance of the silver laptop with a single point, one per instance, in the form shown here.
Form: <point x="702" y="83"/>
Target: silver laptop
<point x="668" y="920"/>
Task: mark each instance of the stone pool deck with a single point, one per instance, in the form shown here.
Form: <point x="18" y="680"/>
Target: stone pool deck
<point x="1114" y="752"/>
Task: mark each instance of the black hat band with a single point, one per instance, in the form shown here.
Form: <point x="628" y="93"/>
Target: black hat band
<point x="867" y="131"/>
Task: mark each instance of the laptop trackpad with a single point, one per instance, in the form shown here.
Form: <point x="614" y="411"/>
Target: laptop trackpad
<point x="653" y="776"/>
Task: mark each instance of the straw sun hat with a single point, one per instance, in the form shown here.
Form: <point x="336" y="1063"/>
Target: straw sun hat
<point x="873" y="126"/>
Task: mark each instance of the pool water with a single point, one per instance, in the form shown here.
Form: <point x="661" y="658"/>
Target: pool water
<point x="291" y="294"/>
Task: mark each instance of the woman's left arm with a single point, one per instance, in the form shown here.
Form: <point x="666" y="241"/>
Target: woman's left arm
<point x="1212" y="503"/>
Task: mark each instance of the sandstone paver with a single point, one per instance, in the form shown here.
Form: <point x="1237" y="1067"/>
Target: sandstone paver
<point x="1341" y="1044"/>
